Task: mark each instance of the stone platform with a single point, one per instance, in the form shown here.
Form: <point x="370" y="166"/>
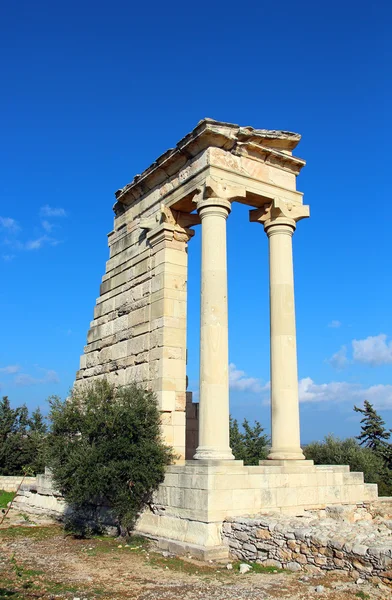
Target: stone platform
<point x="197" y="496"/>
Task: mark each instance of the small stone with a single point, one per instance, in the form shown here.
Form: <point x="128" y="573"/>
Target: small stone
<point x="312" y="569"/>
<point x="244" y="568"/>
<point x="319" y="589"/>
<point x="229" y="566"/>
<point x="360" y="549"/>
<point x="263" y="534"/>
<point x="360" y="581"/>
<point x="119" y="546"/>
<point x="320" y="560"/>
<point x="354" y="575"/>
<point x="384" y="587"/>
<point x="270" y="562"/>
<point x="293" y="566"/>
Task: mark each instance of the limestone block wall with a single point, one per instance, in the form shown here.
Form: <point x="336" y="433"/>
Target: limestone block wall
<point x="139" y="327"/>
<point x="11" y="483"/>
<point x="224" y="490"/>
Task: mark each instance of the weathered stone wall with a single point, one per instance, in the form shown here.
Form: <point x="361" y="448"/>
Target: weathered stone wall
<point x="346" y="538"/>
<point x="11" y="483"/>
<point x="139" y="327"/>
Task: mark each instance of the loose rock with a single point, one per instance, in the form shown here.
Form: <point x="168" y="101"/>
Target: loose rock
<point x="244" y="568"/>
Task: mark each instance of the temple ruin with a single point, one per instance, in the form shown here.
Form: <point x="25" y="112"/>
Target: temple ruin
<point x="139" y="330"/>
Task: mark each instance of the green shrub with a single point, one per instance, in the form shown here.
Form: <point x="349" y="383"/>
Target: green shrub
<point x="334" y="451"/>
<point x="250" y="444"/>
<point x="105" y="449"/>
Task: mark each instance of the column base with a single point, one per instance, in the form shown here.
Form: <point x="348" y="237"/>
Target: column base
<point x="210" y="453"/>
<point x="286" y="454"/>
<point x="303" y="464"/>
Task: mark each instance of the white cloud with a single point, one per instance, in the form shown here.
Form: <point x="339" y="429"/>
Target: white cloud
<point x="334" y="324"/>
<point x="374" y="350"/>
<point x="9" y="224"/>
<point x="24" y="379"/>
<point x="339" y="360"/>
<point x="10" y="369"/>
<point x="52" y="377"/>
<point x="342" y="391"/>
<point x="49" y="211"/>
<point x="239" y="380"/>
<point x="7" y="257"/>
<point x="47" y="226"/>
<point x="41" y="241"/>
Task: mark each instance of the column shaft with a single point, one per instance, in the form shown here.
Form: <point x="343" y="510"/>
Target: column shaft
<point x="214" y="443"/>
<point x="285" y="427"/>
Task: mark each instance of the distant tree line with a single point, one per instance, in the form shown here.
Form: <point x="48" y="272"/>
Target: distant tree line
<point x="22" y="439"/>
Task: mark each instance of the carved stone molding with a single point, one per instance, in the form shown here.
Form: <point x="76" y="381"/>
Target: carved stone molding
<point x="278" y="211"/>
<point x="217" y="192"/>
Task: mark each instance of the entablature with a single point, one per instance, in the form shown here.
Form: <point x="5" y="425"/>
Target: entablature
<point x="268" y="147"/>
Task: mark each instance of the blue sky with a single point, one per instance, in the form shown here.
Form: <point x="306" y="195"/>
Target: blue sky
<point x="93" y="92"/>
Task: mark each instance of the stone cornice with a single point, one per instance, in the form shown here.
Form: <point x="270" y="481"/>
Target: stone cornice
<point x="273" y="147"/>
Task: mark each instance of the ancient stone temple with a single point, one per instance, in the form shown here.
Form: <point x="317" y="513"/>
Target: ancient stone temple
<point x="139" y="329"/>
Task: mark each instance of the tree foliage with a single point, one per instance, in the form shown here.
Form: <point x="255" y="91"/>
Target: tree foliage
<point x="105" y="448"/>
<point x="373" y="433"/>
<point x="250" y="444"/>
<point x="22" y="440"/>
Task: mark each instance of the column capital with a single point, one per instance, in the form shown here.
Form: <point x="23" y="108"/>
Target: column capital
<point x="167" y="232"/>
<point x="278" y="212"/>
<point x="216" y="193"/>
<point x="214" y="206"/>
<point x="168" y="225"/>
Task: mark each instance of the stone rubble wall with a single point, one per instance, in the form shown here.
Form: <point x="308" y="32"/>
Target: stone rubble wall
<point x="10" y="483"/>
<point x="341" y="538"/>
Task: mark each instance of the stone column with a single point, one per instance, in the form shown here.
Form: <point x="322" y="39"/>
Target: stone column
<point x="279" y="219"/>
<point x="214" y="443"/>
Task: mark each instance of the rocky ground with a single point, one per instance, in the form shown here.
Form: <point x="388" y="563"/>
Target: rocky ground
<point x="38" y="562"/>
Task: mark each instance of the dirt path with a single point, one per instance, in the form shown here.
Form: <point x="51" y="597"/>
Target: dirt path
<point x="38" y="562"/>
